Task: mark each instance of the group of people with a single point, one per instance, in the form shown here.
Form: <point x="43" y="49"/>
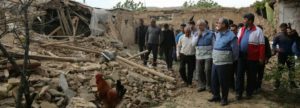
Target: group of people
<point x="221" y="57"/>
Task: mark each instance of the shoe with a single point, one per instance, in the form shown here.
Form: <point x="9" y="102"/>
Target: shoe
<point x="214" y="100"/>
<point x="293" y="85"/>
<point x="224" y="102"/>
<point x="248" y="97"/>
<point x="258" y="90"/>
<point x="239" y="97"/>
<point x="201" y="89"/>
<point x="277" y="84"/>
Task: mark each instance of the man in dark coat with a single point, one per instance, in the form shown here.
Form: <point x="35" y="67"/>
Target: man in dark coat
<point x="140" y="34"/>
<point x="167" y="45"/>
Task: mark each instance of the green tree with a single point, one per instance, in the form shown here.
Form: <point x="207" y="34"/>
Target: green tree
<point x="130" y="5"/>
<point x="201" y="4"/>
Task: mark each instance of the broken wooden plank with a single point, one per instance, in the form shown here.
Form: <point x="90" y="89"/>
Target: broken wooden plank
<point x="51" y="54"/>
<point x="32" y="65"/>
<point x="65" y="42"/>
<point x="42" y="57"/>
<point x="54" y="31"/>
<point x="138" y="54"/>
<point x="146" y="69"/>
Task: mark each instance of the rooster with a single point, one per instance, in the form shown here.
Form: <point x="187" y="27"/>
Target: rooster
<point x="111" y="97"/>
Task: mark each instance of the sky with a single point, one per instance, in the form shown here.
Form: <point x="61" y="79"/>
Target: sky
<point x="108" y="4"/>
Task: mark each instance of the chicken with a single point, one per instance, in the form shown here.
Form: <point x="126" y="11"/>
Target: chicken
<point x="111" y="97"/>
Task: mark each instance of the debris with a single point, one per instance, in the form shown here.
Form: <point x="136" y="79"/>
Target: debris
<point x="3" y="91"/>
<point x="42" y="57"/>
<point x="54" y="92"/>
<point x="77" y="102"/>
<point x="43" y="90"/>
<point x="147" y="69"/>
<point x="6" y="73"/>
<point x="138" y="54"/>
<point x="64" y="85"/>
<point x="45" y="104"/>
<point x="32" y="64"/>
<point x="141" y="77"/>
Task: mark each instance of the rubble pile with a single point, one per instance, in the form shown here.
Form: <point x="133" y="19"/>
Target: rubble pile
<point x="59" y="83"/>
<point x="69" y="44"/>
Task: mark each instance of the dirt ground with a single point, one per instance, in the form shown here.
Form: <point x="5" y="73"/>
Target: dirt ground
<point x="186" y="97"/>
<point x="190" y="98"/>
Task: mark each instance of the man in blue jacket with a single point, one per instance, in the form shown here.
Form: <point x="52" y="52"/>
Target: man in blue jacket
<point x="225" y="52"/>
<point x="203" y="43"/>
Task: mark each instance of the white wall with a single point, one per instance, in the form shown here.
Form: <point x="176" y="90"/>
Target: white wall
<point x="289" y="12"/>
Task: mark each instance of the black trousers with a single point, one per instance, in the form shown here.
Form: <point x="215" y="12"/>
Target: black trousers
<point x="220" y="78"/>
<point x="142" y="48"/>
<point x="189" y="62"/>
<point x="250" y="68"/>
<point x="260" y="75"/>
<point x="154" y="49"/>
<point x="233" y="75"/>
<point x="168" y="51"/>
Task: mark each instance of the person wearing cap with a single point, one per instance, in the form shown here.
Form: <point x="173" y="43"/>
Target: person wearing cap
<point x="167" y="45"/>
<point x="203" y="43"/>
<point x="186" y="55"/>
<point x="252" y="53"/>
<point x="285" y="55"/>
<point x="152" y="42"/>
<point x="225" y="52"/>
<point x="140" y="34"/>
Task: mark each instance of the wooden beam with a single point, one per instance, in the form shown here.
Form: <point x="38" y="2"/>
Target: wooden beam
<point x="65" y="42"/>
<point x="146" y="69"/>
<point x="138" y="54"/>
<point x="54" y="31"/>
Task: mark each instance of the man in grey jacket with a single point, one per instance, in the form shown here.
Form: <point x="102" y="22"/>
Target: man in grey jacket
<point x="152" y="42"/>
<point x="203" y="43"/>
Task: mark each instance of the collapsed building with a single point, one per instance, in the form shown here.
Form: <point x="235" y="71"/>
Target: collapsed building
<point x="68" y="39"/>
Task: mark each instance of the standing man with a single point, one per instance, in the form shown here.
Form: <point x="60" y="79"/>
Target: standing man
<point x="268" y="55"/>
<point x="285" y="55"/>
<point x="252" y="54"/>
<point x="178" y="36"/>
<point x="234" y="29"/>
<point x="203" y="43"/>
<point x="225" y="51"/>
<point x="181" y="33"/>
<point x="186" y="54"/>
<point x="152" y="42"/>
<point x="140" y="34"/>
<point x="167" y="45"/>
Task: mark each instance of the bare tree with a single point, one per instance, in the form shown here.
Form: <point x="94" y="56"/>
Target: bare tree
<point x="23" y="6"/>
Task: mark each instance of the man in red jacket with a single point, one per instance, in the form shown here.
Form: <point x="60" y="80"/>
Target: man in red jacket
<point x="252" y="53"/>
